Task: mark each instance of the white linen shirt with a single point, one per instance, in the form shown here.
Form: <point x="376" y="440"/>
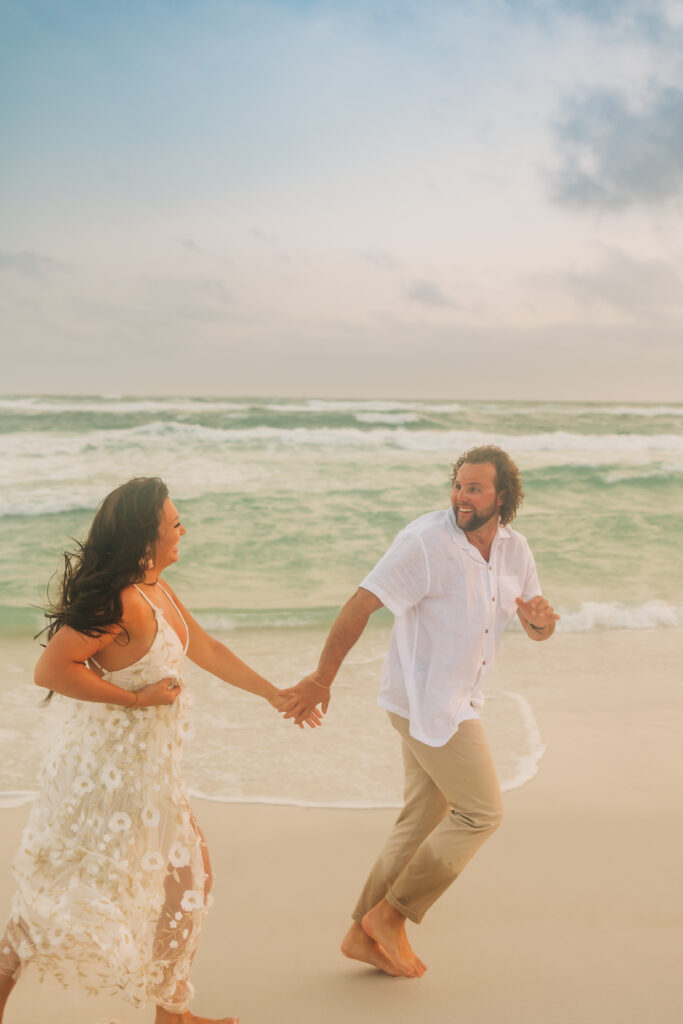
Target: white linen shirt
<point x="451" y="608"/>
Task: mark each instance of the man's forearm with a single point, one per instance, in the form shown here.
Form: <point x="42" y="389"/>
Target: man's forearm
<point x="346" y="631"/>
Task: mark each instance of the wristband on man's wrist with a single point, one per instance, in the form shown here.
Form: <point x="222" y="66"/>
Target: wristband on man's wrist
<point x="538" y="629"/>
<point x="321" y="685"/>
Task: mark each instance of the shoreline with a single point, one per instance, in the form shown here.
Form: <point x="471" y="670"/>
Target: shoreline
<point x="228" y="763"/>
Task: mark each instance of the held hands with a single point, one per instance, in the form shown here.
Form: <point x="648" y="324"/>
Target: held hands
<point x="281" y="702"/>
<point x="165" y="691"/>
<point x="300" y="701"/>
<point x="538" y="613"/>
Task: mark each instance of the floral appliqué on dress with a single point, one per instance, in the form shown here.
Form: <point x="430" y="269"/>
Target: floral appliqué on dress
<point x="112" y="869"/>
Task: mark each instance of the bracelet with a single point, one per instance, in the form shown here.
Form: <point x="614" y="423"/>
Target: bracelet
<point x="137" y="700"/>
<point x="538" y="629"/>
<point x="321" y="685"/>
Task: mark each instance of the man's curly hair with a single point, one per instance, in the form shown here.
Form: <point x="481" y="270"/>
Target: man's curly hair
<point x="508" y="477"/>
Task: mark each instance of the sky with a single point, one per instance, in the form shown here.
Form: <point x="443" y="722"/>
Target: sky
<point x="353" y="198"/>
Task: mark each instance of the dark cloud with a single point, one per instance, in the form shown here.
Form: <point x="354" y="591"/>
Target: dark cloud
<point x="614" y="156"/>
<point x="31" y="264"/>
<point x="428" y="294"/>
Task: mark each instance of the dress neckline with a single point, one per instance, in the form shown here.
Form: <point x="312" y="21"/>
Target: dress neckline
<point x="157" y="609"/>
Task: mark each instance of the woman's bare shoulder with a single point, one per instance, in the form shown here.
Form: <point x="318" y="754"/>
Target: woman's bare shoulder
<point x="134" y="608"/>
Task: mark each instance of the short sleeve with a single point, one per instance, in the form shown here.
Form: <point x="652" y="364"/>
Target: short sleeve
<point x="532" y="587"/>
<point x="401" y="577"/>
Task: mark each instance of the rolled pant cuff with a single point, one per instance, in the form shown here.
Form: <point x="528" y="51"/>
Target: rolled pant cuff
<point x="402" y="909"/>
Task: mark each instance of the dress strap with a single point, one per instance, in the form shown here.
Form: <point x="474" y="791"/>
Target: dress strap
<point x="180" y="615"/>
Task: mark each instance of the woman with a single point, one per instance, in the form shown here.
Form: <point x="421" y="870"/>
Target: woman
<point x="113" y="870"/>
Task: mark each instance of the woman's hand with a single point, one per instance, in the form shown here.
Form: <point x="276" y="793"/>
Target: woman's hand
<point x="280" y="700"/>
<point x="166" y="691"/>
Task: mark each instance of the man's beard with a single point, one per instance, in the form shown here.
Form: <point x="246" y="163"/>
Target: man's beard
<point x="476" y="519"/>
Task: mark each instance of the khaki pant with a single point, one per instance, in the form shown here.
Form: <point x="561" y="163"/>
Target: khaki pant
<point x="453" y="804"/>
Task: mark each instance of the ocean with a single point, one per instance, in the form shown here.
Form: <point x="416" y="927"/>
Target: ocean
<point x="287" y="505"/>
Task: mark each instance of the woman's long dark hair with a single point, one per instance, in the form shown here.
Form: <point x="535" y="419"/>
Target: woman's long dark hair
<point x="115" y="554"/>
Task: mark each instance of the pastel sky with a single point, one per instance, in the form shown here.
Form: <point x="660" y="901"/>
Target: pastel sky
<point x="423" y="198"/>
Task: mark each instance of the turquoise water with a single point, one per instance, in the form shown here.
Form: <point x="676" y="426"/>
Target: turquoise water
<point x="287" y="505"/>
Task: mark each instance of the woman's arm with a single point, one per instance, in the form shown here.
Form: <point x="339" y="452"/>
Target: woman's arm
<point x="61" y="667"/>
<point x="218" y="659"/>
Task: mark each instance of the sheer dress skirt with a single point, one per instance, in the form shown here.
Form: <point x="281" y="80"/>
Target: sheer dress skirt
<point x="113" y="873"/>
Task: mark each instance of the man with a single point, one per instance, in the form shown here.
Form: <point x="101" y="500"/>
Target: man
<point x="454" y="580"/>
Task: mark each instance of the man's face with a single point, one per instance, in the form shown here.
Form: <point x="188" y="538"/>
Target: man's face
<point x="474" y="497"/>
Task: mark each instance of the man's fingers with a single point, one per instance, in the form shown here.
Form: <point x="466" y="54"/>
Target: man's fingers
<point x="301" y="713"/>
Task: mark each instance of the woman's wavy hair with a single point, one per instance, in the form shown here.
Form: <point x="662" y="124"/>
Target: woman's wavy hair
<point x="115" y="554"/>
<point x="508" y="477"/>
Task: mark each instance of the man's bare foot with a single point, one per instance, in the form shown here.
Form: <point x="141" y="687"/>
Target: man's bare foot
<point x="164" y="1017"/>
<point x="358" y="945"/>
<point x="388" y="928"/>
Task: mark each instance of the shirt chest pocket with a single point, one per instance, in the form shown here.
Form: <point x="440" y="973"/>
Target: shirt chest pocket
<point x="508" y="590"/>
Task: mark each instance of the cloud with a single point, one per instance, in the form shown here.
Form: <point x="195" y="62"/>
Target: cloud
<point x="199" y="300"/>
<point x="613" y="156"/>
<point x="379" y="258"/>
<point x="638" y="289"/>
<point x="655" y="20"/>
<point x="263" y="236"/>
<point x="31" y="264"/>
<point x="428" y="294"/>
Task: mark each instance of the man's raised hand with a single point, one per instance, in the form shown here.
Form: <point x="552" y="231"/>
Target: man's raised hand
<point x="537" y="612"/>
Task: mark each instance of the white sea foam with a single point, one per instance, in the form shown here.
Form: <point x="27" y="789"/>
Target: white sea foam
<point x="125" y="405"/>
<point x="323" y="405"/>
<point x="526" y="757"/>
<point x="45" y="473"/>
<point x="618" y="476"/>
<point x="117" y="406"/>
<point x="583" y="447"/>
<point x="595" y="615"/>
<point x="17" y="798"/>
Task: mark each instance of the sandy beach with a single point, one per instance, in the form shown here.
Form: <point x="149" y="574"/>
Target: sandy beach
<point x="572" y="913"/>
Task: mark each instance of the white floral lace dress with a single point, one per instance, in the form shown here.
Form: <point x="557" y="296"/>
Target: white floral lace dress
<point x="112" y="870"/>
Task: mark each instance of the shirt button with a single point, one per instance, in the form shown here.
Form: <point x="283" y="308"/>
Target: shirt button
<point x="483" y="662"/>
<point x="486" y="630"/>
<point x="493" y="599"/>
